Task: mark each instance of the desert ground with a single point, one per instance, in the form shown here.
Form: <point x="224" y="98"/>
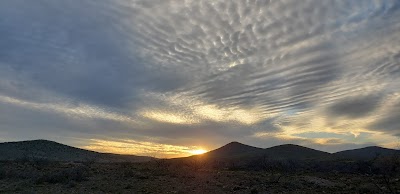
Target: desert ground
<point x="178" y="177"/>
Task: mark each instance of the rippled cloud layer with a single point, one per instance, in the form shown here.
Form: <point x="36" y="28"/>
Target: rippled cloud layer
<point x="184" y="74"/>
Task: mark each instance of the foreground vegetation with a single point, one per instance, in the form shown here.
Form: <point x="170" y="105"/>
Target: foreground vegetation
<point x="195" y="175"/>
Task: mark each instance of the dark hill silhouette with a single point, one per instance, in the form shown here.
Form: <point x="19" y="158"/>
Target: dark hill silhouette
<point x="366" y="153"/>
<point x="290" y="157"/>
<point x="53" y="151"/>
<point x="239" y="155"/>
<point x="232" y="153"/>
<point x="291" y="151"/>
<point x="287" y="151"/>
<point x="234" y="149"/>
<point x="238" y="152"/>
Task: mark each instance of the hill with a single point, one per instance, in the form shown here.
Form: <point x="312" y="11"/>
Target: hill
<point x="234" y="150"/>
<point x="238" y="155"/>
<point x="53" y="151"/>
<point x="291" y="151"/>
<point x="287" y="151"/>
<point x="366" y="153"/>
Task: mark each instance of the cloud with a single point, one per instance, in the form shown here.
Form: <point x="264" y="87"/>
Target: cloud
<point x="152" y="71"/>
<point x="354" y="107"/>
<point x="389" y="121"/>
<point x="69" y="110"/>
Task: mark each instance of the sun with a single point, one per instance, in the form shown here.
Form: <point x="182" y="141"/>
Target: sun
<point x="197" y="152"/>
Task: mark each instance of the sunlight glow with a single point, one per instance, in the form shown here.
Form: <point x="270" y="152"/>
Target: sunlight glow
<point x="143" y="148"/>
<point x="198" y="152"/>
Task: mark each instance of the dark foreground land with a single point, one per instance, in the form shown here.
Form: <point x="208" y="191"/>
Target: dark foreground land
<point x="179" y="177"/>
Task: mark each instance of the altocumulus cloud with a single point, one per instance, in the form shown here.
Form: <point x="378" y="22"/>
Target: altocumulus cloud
<point x="172" y="75"/>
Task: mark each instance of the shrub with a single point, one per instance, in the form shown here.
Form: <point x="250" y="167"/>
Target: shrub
<point x="77" y="174"/>
<point x="3" y="174"/>
<point x="40" y="162"/>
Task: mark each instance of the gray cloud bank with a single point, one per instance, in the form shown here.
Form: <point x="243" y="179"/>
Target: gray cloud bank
<point x="198" y="70"/>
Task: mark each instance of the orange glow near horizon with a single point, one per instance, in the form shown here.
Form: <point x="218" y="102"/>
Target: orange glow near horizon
<point x="142" y="148"/>
<point x="198" y="152"/>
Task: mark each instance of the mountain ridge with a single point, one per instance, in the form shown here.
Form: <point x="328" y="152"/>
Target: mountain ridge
<point x="239" y="152"/>
<point x="51" y="150"/>
<point x="232" y="149"/>
<point x="366" y="153"/>
<point x="293" y="151"/>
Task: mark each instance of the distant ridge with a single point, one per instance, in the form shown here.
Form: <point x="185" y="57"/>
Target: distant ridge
<point x="53" y="151"/>
<point x="239" y="150"/>
<point x="366" y="153"/>
<point x="234" y="149"/>
<point x="291" y="151"/>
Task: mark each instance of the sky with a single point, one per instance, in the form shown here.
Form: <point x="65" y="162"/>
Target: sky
<point x="165" y="78"/>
